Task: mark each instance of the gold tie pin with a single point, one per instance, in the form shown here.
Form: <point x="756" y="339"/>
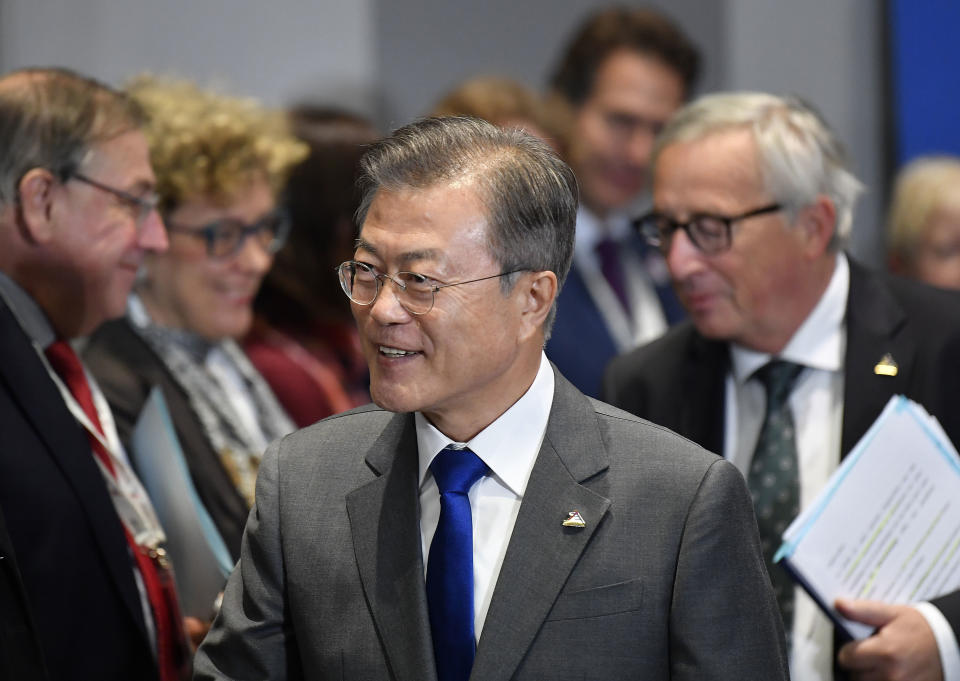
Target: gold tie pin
<point x="887" y="366"/>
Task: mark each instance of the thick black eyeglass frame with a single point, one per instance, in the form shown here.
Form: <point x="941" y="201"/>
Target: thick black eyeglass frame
<point x="144" y="204"/>
<point x="381" y="276"/>
<point x="649" y="227"/>
<point x="209" y="232"/>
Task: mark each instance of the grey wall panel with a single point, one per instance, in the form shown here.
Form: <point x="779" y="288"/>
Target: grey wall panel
<point x="830" y="53"/>
<point x="425" y="47"/>
<point x="276" y="51"/>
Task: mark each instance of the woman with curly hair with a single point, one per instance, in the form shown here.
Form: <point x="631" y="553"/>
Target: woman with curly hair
<point x="220" y="164"/>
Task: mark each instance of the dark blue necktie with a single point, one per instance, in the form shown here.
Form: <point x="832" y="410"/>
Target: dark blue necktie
<point x="450" y="565"/>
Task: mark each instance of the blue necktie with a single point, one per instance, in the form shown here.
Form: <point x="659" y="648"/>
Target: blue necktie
<point x="450" y="565"/>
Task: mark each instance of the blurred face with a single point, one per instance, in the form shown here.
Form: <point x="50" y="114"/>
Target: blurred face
<point x="749" y="293"/>
<point x="457" y="363"/>
<point x="186" y="288"/>
<point x="98" y="239"/>
<point x="633" y="97"/>
<point x="937" y="260"/>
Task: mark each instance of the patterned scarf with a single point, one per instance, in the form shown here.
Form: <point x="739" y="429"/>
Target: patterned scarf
<point x="185" y="355"/>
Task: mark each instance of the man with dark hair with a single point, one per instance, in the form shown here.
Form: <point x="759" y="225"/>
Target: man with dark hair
<point x="485" y="498"/>
<point x="792" y="349"/>
<point x="623" y="74"/>
<point x="82" y="548"/>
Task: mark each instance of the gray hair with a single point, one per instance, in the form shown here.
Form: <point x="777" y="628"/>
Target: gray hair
<point x="800" y="156"/>
<point x="529" y="193"/>
<point x="50" y="118"/>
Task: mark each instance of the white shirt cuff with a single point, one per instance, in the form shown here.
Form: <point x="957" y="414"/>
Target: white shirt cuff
<point x="946" y="641"/>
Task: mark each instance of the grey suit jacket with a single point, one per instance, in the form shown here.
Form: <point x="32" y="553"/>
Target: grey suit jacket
<point x="665" y="581"/>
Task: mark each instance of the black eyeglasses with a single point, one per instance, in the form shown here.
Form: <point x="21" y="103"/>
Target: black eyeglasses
<point x="712" y="234"/>
<point x="415" y="292"/>
<point x="225" y="237"/>
<point x="142" y="205"/>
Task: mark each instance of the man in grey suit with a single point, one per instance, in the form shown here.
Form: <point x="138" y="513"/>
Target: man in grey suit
<point x="597" y="545"/>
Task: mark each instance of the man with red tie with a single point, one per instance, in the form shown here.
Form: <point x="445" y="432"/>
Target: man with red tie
<point x="83" y="548"/>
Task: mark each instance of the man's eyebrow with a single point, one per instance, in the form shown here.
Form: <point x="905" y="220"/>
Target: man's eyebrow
<point x="406" y="257"/>
<point x="365" y="245"/>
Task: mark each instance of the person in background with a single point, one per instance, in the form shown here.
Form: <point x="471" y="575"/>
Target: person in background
<point x="923" y="225"/>
<point x="623" y="74"/>
<point x="221" y="163"/>
<point x="507" y="103"/>
<point x="793" y="348"/>
<point x="85" y="589"/>
<point x="304" y="341"/>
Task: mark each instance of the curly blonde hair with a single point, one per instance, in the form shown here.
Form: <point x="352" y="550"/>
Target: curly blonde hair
<point x="206" y="144"/>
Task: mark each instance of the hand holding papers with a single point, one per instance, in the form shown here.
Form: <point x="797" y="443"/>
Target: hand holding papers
<point x="887" y="525"/>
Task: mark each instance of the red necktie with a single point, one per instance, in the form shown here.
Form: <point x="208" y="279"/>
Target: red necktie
<point x="173" y="659"/>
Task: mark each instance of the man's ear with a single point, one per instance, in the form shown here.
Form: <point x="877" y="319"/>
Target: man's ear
<point x="35" y="205"/>
<point x="818" y="223"/>
<point x="537" y="292"/>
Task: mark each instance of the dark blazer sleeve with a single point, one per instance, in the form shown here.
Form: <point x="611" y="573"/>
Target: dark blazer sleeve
<point x="20" y="656"/>
<point x="676" y="381"/>
<point x="720" y="576"/>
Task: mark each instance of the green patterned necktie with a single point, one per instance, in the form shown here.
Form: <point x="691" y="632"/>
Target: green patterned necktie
<point x="774" y="478"/>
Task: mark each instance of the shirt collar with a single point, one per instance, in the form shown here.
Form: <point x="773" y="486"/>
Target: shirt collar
<point x="591" y="229"/>
<point x="32" y="319"/>
<point x="509" y="445"/>
<point x="821" y="339"/>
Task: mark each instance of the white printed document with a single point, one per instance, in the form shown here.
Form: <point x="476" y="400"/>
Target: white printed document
<point x="887" y="525"/>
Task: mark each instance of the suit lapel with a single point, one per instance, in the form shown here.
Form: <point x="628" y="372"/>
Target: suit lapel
<point x="384" y="517"/>
<point x="572" y="452"/>
<point x="874" y="324"/>
<point x="29" y="384"/>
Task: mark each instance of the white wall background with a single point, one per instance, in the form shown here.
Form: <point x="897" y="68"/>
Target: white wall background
<point x="391" y="59"/>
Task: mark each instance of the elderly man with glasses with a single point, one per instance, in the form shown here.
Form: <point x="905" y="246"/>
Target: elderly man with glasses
<point x="85" y="590"/>
<point x="792" y="348"/>
<point x="485" y="520"/>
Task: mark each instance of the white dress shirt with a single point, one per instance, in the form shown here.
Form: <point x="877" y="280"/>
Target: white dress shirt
<point x="646" y="320"/>
<point x="816" y="402"/>
<point x="509" y="446"/>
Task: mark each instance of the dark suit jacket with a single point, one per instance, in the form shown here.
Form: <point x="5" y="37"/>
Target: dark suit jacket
<point x="678" y="380"/>
<point x="73" y="558"/>
<point x="127" y="369"/>
<point x="581" y="345"/>
<point x="20" y="654"/>
<point x="664" y="582"/>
